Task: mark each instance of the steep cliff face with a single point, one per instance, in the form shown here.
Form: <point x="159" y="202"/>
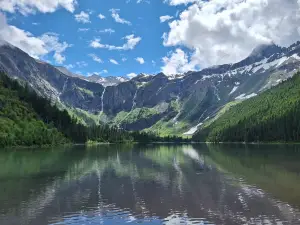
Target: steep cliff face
<point x="168" y="104"/>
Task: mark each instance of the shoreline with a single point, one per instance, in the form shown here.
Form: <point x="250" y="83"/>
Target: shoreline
<point x="147" y="143"/>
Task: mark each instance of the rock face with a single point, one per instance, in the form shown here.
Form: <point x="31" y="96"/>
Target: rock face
<point x="105" y="81"/>
<point x="157" y="101"/>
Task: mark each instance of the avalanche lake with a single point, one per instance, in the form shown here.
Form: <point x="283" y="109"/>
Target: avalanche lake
<point x="151" y="184"/>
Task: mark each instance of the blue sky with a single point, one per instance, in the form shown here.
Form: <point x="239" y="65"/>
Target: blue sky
<point x="146" y="36"/>
<point x="144" y="21"/>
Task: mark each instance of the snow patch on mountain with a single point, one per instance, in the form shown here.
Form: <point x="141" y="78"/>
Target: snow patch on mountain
<point x="192" y="130"/>
<point x="244" y="96"/>
<point x="233" y="90"/>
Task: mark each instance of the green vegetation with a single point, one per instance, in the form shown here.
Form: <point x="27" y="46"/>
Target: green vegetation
<point x="146" y="137"/>
<point x="273" y="116"/>
<point x="169" y="126"/>
<point x="165" y="128"/>
<point x="28" y="119"/>
<point x="134" y="115"/>
<point x="224" y="109"/>
<point x="88" y="92"/>
<point x="84" y="117"/>
<point x="19" y="123"/>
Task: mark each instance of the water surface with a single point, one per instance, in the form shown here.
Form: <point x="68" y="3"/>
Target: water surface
<point x="151" y="184"/>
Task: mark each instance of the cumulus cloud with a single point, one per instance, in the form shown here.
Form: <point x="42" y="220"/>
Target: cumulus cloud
<point x="131" y="42"/>
<point x="165" y="18"/>
<point x="140" y="60"/>
<point x="21" y="39"/>
<point x="113" y="61"/>
<point x="82" y="17"/>
<point x="226" y="31"/>
<point x="34" y="46"/>
<point x="176" y="62"/>
<point x="131" y="75"/>
<point x="101" y="16"/>
<point x="96" y="43"/>
<point x="115" y="15"/>
<point x="31" y="6"/>
<point x="52" y="44"/>
<point x="95" y="58"/>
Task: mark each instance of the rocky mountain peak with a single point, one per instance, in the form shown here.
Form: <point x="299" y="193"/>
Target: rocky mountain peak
<point x="265" y="51"/>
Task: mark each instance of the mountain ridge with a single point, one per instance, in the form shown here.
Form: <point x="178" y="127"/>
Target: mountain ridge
<point x="168" y="105"/>
<point x="269" y="117"/>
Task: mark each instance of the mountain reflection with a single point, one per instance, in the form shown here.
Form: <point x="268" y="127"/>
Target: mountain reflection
<point x="150" y="184"/>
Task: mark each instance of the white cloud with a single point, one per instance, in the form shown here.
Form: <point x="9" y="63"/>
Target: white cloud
<point x="131" y="42"/>
<point x="52" y="44"/>
<point x="81" y="64"/>
<point x="165" y="18"/>
<point x="82" y="17"/>
<point x="96" y="44"/>
<point x="83" y="29"/>
<point x="177" y="62"/>
<point x="139" y="1"/>
<point x="225" y="31"/>
<point x="140" y="60"/>
<point x="69" y="66"/>
<point x="115" y="15"/>
<point x="101" y="16"/>
<point x="179" y="2"/>
<point x="95" y="58"/>
<point x="21" y="39"/>
<point x="32" y="6"/>
<point x="34" y="46"/>
<point x="114" y="61"/>
<point x="124" y="59"/>
<point x="153" y="63"/>
<point x="97" y="73"/>
<point x="131" y="75"/>
<point x="142" y="1"/>
<point x="107" y="30"/>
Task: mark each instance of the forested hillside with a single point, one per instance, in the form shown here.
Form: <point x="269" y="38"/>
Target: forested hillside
<point x="273" y="116"/>
<point x="19" y="123"/>
<point x="28" y="119"/>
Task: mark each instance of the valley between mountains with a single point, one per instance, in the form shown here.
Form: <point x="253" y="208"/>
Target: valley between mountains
<point x="167" y="105"/>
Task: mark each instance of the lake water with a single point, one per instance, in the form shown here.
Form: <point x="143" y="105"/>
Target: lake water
<point x="151" y="184"/>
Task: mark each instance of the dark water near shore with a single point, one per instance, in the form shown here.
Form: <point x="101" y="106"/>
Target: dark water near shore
<point x="151" y="184"/>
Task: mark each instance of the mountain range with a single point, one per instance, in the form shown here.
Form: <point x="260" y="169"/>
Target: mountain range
<point x="105" y="81"/>
<point x="177" y="104"/>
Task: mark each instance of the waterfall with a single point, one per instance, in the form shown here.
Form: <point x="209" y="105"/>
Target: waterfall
<point x="179" y="112"/>
<point x="216" y="93"/>
<point x="64" y="87"/>
<point x="102" y="101"/>
<point x="132" y="108"/>
<point x="133" y="100"/>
